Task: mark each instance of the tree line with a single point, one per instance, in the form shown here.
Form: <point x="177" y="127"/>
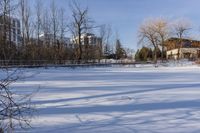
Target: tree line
<point x="147" y="54"/>
<point x="53" y="21"/>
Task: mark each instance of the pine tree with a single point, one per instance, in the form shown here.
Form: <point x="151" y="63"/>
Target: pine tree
<point x="120" y="52"/>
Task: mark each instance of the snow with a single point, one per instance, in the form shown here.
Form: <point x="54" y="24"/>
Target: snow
<point x="114" y="99"/>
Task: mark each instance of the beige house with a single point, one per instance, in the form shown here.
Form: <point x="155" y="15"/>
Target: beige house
<point x="182" y="49"/>
<point x="184" y="53"/>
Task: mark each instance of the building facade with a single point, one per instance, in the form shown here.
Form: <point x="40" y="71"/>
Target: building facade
<point x="11" y="26"/>
<point x="184" y="53"/>
<point x="49" y="38"/>
<point x="88" y="39"/>
<point x="182" y="49"/>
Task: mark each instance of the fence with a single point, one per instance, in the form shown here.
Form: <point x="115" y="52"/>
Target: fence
<point x="65" y="63"/>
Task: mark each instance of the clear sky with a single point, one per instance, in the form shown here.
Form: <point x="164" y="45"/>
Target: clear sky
<point x="125" y="16"/>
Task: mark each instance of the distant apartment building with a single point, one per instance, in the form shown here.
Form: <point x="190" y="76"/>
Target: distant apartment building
<point x="49" y="38"/>
<point x="182" y="49"/>
<point x="12" y="28"/>
<point x="88" y="39"/>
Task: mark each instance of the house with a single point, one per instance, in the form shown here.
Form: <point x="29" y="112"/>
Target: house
<point x="182" y="49"/>
<point x="184" y="53"/>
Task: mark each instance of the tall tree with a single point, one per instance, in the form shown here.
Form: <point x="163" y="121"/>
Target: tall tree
<point x="119" y="52"/>
<point x="161" y="27"/>
<point x="143" y="54"/>
<point x="181" y="28"/>
<point x="79" y="25"/>
<point x="26" y="21"/>
<point x="149" y="36"/>
<point x="7" y="8"/>
<point x="46" y="29"/>
<point x="54" y="28"/>
<point x="38" y="29"/>
<point x="38" y="19"/>
<point x="13" y="109"/>
<point x="61" y="45"/>
<point x="54" y="21"/>
<point x="62" y="24"/>
<point x="22" y="11"/>
<point x="106" y="36"/>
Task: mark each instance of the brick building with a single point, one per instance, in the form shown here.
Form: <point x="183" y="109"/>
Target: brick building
<point x="182" y="49"/>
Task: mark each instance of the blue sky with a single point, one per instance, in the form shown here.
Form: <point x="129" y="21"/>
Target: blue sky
<point x="125" y="16"/>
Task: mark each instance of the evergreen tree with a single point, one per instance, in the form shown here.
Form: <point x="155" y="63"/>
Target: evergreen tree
<point x="120" y="52"/>
<point x="144" y="54"/>
<point x="137" y="55"/>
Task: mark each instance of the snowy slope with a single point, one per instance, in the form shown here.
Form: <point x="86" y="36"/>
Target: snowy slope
<point x="115" y="100"/>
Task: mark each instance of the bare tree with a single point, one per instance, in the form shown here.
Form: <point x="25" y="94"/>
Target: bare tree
<point x="102" y="34"/>
<point x="62" y="24"/>
<point x="148" y="35"/>
<point x="25" y="20"/>
<point x="46" y="29"/>
<point x="38" y="27"/>
<point x="38" y="21"/>
<point x="161" y="27"/>
<point x="79" y="25"/>
<point x="100" y="44"/>
<point x="181" y="28"/>
<point x="61" y="45"/>
<point x="27" y="48"/>
<point x="105" y="35"/>
<point x="7" y="10"/>
<point x="22" y="11"/>
<point x="54" y="21"/>
<point x="46" y="24"/>
<point x="55" y="28"/>
<point x="15" y="109"/>
<point x="4" y="11"/>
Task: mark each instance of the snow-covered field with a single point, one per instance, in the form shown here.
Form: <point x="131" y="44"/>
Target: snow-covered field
<point x="115" y="100"/>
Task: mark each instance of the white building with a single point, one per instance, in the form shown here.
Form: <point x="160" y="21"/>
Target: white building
<point x="50" y="38"/>
<point x="88" y="39"/>
<point x="13" y="29"/>
<point x="184" y="53"/>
